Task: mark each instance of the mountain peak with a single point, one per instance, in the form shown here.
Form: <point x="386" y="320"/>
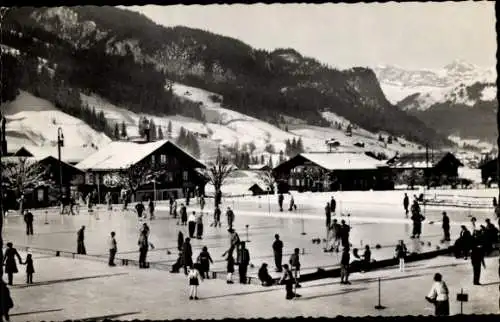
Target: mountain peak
<point x="460" y="66"/>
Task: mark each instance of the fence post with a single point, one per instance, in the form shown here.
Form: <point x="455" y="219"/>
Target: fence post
<point x="379" y="306"/>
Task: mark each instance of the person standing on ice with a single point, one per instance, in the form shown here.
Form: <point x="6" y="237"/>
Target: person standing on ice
<point x="199" y="226"/>
<point x="234" y="242"/>
<point x="406" y="204"/>
<point x="192" y="224"/>
<point x="289" y="281"/>
<point x="281" y="198"/>
<point x="143" y="248"/>
<point x="230" y="268"/>
<point x="477" y="259"/>
<point x="328" y="214"/>
<point x="140" y="209"/>
<point x="194" y="277"/>
<point x="187" y="255"/>
<point x="417" y="219"/>
<point x="344" y="233"/>
<point x="344" y="266"/>
<point x="174" y="209"/>
<point x="28" y="219"/>
<point x="446" y="226"/>
<point x="204" y="259"/>
<point x="108" y="200"/>
<point x="151" y="208"/>
<point x="80" y="242"/>
<point x="278" y="252"/>
<point x="184" y="215"/>
<point x="244" y="261"/>
<point x="293" y="206"/>
<point x="295" y="265"/>
<point x="333" y="205"/>
<point x="9" y="260"/>
<point x="202" y="203"/>
<point x="438" y="296"/>
<point x="230" y="217"/>
<point x="6" y="302"/>
<point x="401" y="255"/>
<point x="217" y="214"/>
<point x="171" y="203"/>
<point x="113" y="249"/>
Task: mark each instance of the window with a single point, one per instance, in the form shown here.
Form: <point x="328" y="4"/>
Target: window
<point x="185" y="175"/>
<point x="163" y="159"/>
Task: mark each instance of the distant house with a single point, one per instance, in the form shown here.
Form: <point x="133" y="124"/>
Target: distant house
<point x="257" y="190"/>
<point x="324" y="171"/>
<point x="178" y="171"/>
<point x="489" y="172"/>
<point x="45" y="194"/>
<point x="433" y="168"/>
<point x="71" y="155"/>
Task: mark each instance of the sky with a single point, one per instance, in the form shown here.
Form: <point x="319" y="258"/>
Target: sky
<point x="410" y="35"/>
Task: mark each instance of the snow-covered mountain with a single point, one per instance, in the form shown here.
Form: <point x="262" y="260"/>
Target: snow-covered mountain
<point x="434" y="86"/>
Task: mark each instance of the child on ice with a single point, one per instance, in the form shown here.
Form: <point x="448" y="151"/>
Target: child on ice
<point x="194" y="277"/>
<point x="29" y="269"/>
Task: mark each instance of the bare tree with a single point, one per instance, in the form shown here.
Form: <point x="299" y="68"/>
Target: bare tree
<point x="218" y="171"/>
<point x="23" y="174"/>
<point x="268" y="178"/>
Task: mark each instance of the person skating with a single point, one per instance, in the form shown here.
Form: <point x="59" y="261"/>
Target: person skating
<point x="180" y="240"/>
<point x="294" y="262"/>
<point x="171" y="205"/>
<point x="199" y="226"/>
<point x="109" y="201"/>
<point x="6" y="302"/>
<point x="143" y="249"/>
<point x="264" y="277"/>
<point x="151" y="208"/>
<point x="9" y="260"/>
<point x="336" y="234"/>
<point x="244" y="261"/>
<point x="174" y="209"/>
<point x="281" y="198"/>
<point x="417" y="219"/>
<point x="344" y="266"/>
<point x="344" y="233"/>
<point x="333" y="206"/>
<point x="328" y="214"/>
<point x="217" y="214"/>
<point x="187" y="255"/>
<point x="194" y="278"/>
<point x="113" y="249"/>
<point x="288" y="280"/>
<point x="293" y="206"/>
<point x="477" y="259"/>
<point x="140" y="209"/>
<point x="438" y="296"/>
<point x="230" y="217"/>
<point x="205" y="259"/>
<point x="184" y="215"/>
<point x="192" y="224"/>
<point x="80" y="242"/>
<point x="28" y="219"/>
<point x="463" y="244"/>
<point x="446" y="226"/>
<point x="401" y="252"/>
<point x="278" y="252"/>
<point x="30" y="269"/>
<point x="202" y="203"/>
<point x="367" y="257"/>
<point x="234" y="242"/>
<point x="230" y="268"/>
<point x="406" y="204"/>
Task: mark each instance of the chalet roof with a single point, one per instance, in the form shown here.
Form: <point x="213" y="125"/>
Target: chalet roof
<point x="69" y="154"/>
<point x="343" y="161"/>
<point x="122" y="155"/>
<point x="419" y="160"/>
<point x="30" y="160"/>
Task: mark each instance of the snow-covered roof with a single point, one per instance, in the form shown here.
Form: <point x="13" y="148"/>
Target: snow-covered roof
<point x="122" y="155"/>
<point x="36" y="159"/>
<point x="420" y="160"/>
<point x="343" y="161"/>
<point x="70" y="154"/>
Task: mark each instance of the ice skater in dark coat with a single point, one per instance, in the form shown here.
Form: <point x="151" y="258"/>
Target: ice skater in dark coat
<point x="80" y="242"/>
<point x="477" y="259"/>
<point x="406" y="204"/>
<point x="446" y="226"/>
<point x="278" y="252"/>
<point x="28" y="219"/>
<point x="6" y="302"/>
<point x="187" y="255"/>
<point x="10" y="262"/>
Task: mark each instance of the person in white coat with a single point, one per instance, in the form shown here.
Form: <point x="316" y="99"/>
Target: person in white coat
<point x="438" y="296"/>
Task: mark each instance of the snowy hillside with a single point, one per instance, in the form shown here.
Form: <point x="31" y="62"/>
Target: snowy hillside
<point x="433" y="85"/>
<point x="225" y="127"/>
<point x="33" y="121"/>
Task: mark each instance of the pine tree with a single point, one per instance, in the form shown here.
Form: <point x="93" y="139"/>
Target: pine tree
<point x="124" y="130"/>
<point x="262" y="159"/>
<point x="116" y="132"/>
<point x="270" y="162"/>
<point x="160" y="133"/>
<point x="293" y="147"/>
<point x="288" y="147"/>
<point x="281" y="157"/>
<point x="181" y="139"/>
<point x="300" y="146"/>
<point x="169" y="130"/>
<point x="152" y="130"/>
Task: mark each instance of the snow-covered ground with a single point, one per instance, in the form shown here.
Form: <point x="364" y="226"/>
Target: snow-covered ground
<point x="32" y="121"/>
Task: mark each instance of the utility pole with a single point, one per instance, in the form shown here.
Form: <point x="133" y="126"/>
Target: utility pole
<point x="3" y="149"/>
<point x="60" y="144"/>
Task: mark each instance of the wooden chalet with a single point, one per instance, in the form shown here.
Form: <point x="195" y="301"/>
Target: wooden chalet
<point x="71" y="155"/>
<point x="325" y="171"/>
<point x="177" y="172"/>
<point x="436" y="168"/>
<point x="257" y="190"/>
<point x="46" y="192"/>
<point x="489" y="172"/>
